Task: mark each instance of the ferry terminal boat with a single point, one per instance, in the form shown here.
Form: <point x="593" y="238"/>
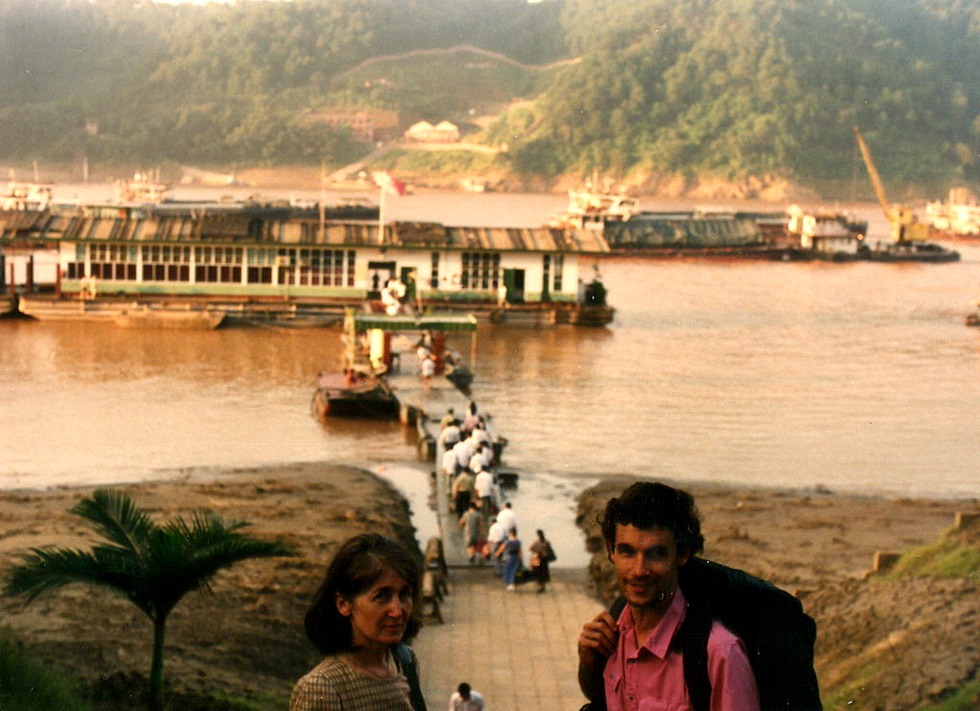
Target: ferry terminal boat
<point x="292" y="263"/>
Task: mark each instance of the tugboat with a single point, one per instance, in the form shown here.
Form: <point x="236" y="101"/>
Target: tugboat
<point x="908" y="232"/>
<point x="354" y="393"/>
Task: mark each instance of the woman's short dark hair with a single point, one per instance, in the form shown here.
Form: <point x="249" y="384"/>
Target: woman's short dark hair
<point x="647" y="505"/>
<point x="359" y="563"/>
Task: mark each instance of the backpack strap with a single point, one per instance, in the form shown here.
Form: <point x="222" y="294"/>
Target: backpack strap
<point x="406" y="662"/>
<point x="692" y="641"/>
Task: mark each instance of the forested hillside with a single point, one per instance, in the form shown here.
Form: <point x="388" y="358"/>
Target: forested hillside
<point x="723" y="88"/>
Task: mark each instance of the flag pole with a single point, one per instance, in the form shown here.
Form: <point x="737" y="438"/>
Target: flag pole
<point x="381" y="216"/>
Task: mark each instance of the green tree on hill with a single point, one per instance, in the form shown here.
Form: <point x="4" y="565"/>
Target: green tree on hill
<point x="150" y="565"/>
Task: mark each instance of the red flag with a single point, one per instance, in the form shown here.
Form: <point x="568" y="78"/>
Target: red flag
<point x="386" y="182"/>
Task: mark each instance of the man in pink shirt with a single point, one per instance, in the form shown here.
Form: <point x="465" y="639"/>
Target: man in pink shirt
<point x="651" y="530"/>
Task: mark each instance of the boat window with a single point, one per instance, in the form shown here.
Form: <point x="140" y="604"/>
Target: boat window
<point x="434" y="278"/>
<point x="481" y="270"/>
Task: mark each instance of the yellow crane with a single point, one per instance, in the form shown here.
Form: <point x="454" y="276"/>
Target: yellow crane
<point x="906" y="227"/>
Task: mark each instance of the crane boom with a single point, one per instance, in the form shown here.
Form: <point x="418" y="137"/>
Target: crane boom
<point x="905" y="226"/>
<point x="873" y="173"/>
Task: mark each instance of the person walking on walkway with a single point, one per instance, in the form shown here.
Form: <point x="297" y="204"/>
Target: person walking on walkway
<point x="495" y="536"/>
<point x="474" y="532"/>
<point x="483" y="488"/>
<point x="510" y="551"/>
<point x="542" y="555"/>
<point x="466" y="698"/>
<point x="462" y="491"/>
<point x="507" y="516"/>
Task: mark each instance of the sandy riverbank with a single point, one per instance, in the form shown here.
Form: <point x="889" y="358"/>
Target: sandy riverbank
<point x="247" y="638"/>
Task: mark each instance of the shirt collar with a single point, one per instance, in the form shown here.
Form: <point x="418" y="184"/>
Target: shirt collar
<point x="658" y="643"/>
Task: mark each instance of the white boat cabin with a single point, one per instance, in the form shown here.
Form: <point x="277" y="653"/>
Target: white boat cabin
<point x="295" y="252"/>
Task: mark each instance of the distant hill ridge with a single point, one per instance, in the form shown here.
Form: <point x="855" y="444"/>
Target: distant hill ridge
<point x="648" y="91"/>
<point x="463" y="49"/>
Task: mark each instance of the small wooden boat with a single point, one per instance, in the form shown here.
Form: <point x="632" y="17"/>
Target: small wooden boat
<point x="142" y="317"/>
<point x="8" y="304"/>
<point x="353" y="394"/>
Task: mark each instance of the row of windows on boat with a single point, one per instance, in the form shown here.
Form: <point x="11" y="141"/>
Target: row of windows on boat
<point x="471" y="261"/>
<point x="306" y="267"/>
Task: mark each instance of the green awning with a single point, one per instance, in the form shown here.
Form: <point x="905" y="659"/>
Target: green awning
<point x="449" y="323"/>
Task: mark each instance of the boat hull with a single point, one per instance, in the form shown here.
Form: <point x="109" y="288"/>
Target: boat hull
<point x="365" y="398"/>
<point x="163" y="319"/>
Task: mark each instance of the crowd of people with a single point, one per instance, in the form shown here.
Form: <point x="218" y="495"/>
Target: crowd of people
<point x="489" y="529"/>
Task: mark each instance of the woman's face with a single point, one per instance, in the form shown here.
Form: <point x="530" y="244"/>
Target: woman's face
<point x="380" y="614"/>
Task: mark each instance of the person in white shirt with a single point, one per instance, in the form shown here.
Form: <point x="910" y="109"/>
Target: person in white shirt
<point x="487" y="456"/>
<point x="483" y="486"/>
<point x="450" y="467"/>
<point x="466" y="699"/>
<point x="495" y="535"/>
<point x="449" y="435"/>
<point x="476" y="461"/>
<point x="507" y="517"/>
<point x="463" y="452"/>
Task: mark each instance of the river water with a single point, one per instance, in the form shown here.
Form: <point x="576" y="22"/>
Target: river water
<point x="854" y="377"/>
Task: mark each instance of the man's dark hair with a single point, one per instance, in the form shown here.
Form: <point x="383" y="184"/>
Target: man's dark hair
<point x="647" y="505"/>
<point x="464" y="690"/>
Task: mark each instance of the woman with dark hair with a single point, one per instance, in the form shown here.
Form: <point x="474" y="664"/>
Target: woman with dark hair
<point x="367" y="604"/>
<point x="542" y="555"/>
<point x="509" y="551"/>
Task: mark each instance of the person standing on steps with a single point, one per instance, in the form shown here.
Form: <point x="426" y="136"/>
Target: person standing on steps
<point x="510" y="552"/>
<point x="542" y="555"/>
<point x="651" y="530"/>
<point x="474" y="532"/>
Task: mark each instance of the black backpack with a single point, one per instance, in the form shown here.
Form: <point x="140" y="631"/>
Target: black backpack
<point x="778" y="635"/>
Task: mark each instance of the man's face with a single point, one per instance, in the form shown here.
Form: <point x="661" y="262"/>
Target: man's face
<point x="647" y="565"/>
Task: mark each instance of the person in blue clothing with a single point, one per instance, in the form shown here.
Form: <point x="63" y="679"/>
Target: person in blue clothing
<point x="510" y="552"/>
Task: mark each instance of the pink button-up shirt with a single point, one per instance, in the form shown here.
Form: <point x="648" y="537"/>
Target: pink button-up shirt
<point x="651" y="677"/>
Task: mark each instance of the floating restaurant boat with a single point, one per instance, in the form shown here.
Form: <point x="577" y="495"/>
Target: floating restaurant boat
<point x="279" y="261"/>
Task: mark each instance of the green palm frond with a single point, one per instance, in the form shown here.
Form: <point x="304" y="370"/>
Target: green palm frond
<point x="152" y="566"/>
<point x="115" y="517"/>
<point x="45" y="569"/>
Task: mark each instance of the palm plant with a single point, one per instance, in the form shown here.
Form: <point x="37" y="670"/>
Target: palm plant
<point x="150" y="565"/>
